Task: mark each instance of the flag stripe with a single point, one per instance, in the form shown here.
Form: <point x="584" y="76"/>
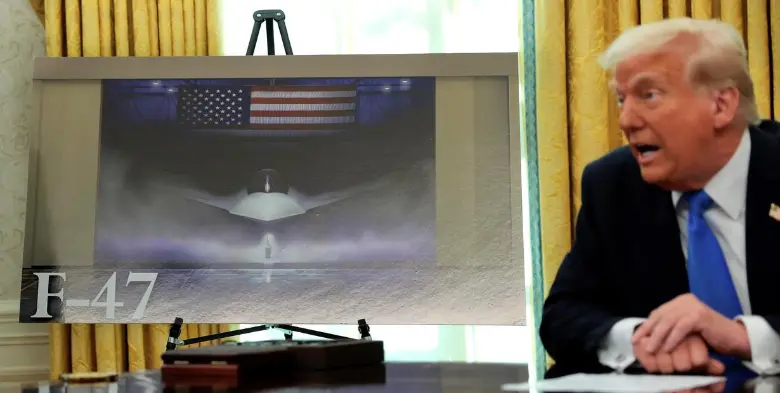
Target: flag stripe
<point x="331" y="120"/>
<point x="302" y="107"/>
<point x="296" y="127"/>
<point x="314" y="88"/>
<point x="302" y="94"/>
<point x="332" y="100"/>
<point x="262" y="113"/>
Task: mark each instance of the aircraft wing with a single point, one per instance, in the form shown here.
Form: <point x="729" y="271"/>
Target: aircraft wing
<point x="174" y="185"/>
<point x="222" y="202"/>
<point x="313" y="201"/>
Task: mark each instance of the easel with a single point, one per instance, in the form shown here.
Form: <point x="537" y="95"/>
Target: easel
<point x="175" y="332"/>
<point x="269" y="16"/>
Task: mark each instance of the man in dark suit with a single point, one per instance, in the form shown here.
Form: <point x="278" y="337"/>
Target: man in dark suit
<point x="676" y="260"/>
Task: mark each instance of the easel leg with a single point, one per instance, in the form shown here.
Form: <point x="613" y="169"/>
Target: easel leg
<point x="285" y="38"/>
<point x="269" y="37"/>
<point x="250" y="49"/>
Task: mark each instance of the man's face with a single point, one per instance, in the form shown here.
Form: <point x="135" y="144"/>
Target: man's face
<point x="668" y="124"/>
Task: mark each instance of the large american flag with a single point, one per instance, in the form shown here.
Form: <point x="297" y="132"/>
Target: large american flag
<point x="275" y="107"/>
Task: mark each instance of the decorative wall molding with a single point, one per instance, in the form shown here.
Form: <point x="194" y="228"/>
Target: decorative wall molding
<point x="24" y="348"/>
<point x="33" y="338"/>
<point x="9" y="308"/>
<point x="24" y="373"/>
<point x="9" y="312"/>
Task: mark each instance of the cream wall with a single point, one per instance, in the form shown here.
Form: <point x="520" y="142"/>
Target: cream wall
<point x="24" y="349"/>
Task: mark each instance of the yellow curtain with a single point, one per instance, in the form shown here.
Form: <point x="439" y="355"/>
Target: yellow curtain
<point x="114" y="347"/>
<point x="576" y="114"/>
<point x="101" y="28"/>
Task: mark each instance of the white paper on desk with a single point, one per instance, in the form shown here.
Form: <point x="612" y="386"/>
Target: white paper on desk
<point x="615" y="383"/>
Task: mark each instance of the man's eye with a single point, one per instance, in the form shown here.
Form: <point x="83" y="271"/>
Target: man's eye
<point x="620" y="101"/>
<point x="650" y="95"/>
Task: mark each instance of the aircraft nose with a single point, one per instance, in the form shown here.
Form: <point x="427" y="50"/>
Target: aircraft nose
<point x="268" y="181"/>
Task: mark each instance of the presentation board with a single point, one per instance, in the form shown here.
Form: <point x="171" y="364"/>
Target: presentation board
<point x="276" y="189"/>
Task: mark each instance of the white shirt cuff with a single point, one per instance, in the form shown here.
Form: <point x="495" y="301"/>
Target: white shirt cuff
<point x="763" y="385"/>
<point x="616" y="351"/>
<point x="764" y="345"/>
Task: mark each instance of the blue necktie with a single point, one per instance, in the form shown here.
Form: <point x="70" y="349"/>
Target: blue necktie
<point x="708" y="274"/>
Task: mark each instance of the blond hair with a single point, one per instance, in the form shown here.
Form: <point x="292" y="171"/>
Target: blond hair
<point x="719" y="60"/>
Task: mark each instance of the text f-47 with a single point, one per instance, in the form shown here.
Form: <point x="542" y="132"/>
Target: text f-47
<point x="110" y="304"/>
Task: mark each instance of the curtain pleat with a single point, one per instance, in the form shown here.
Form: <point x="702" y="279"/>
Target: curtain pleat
<point x="165" y="31"/>
<point x="59" y="339"/>
<point x="121" y="28"/>
<point x="177" y="27"/>
<point x="774" y="28"/>
<point x="116" y="347"/>
<point x="576" y="114"/>
<point x="701" y="9"/>
<point x="731" y="12"/>
<point x="72" y="28"/>
<point x="92" y="28"/>
<point x="141" y="41"/>
<point x="553" y="143"/>
<point x="153" y="27"/>
<point x="628" y="14"/>
<point x="105" y="348"/>
<point x="677" y="8"/>
<point x="651" y="10"/>
<point x="53" y="23"/>
<point x="758" y="54"/>
<point x="201" y="30"/>
<point x="586" y="137"/>
<point x="106" y="28"/>
<point x="102" y="28"/>
<point x="212" y="26"/>
<point x="135" y="347"/>
<point x="82" y="348"/>
<point x="190" y="49"/>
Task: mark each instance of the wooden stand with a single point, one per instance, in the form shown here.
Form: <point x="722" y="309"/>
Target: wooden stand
<point x="315" y="362"/>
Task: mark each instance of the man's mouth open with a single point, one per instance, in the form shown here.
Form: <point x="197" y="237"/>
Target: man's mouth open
<point x="646" y="152"/>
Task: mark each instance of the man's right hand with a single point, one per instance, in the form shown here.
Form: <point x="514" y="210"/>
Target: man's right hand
<point x="691" y="355"/>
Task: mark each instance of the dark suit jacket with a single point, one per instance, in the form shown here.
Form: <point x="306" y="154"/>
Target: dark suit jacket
<point x="627" y="258"/>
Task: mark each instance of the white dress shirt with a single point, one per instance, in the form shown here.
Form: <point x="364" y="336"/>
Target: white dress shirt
<point x="726" y="218"/>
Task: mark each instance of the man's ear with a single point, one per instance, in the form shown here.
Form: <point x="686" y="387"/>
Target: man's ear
<point x="725" y="105"/>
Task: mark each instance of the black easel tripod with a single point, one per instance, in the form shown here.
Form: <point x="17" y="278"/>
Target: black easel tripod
<point x="175" y="332"/>
<point x="269" y="16"/>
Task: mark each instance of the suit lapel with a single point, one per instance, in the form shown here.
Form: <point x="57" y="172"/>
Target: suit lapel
<point x="664" y="247"/>
<point x="762" y="232"/>
<point x="670" y="245"/>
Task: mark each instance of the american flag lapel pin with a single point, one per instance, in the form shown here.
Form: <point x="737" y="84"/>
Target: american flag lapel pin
<point x="774" y="212"/>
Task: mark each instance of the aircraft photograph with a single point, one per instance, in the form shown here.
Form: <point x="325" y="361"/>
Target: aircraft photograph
<point x="225" y="172"/>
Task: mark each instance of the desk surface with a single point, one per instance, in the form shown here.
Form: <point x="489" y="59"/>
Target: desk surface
<point x="398" y="377"/>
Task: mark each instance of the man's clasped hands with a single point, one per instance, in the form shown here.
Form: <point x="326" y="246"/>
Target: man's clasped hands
<point x="677" y="337"/>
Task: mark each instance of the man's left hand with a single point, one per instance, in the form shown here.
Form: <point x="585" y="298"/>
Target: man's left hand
<point x="670" y="323"/>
